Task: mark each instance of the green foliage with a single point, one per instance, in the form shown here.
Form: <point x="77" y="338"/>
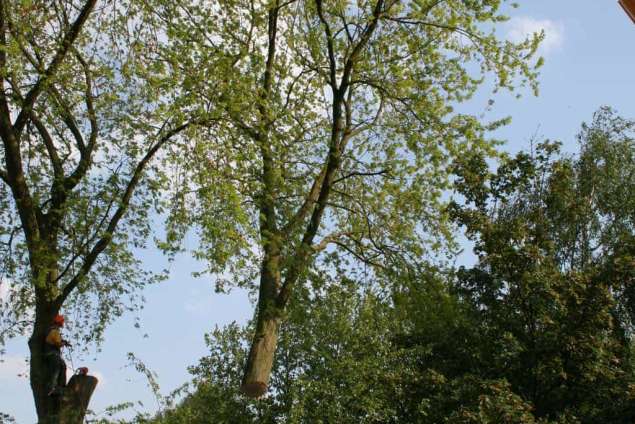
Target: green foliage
<point x="79" y="193"/>
<point x="353" y="360"/>
<point x="270" y="146"/>
<point x="6" y="418"/>
<point x="527" y="335"/>
<point x="334" y="135"/>
<point x="334" y="355"/>
<point x="311" y="143"/>
<point x="549" y="231"/>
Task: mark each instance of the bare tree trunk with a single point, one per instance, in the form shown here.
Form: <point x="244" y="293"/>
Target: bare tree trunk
<point x="70" y="407"/>
<point x="46" y="406"/>
<point x="260" y="360"/>
<point x="263" y="347"/>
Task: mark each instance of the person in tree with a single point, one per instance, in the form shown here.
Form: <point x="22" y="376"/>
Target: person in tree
<point x="53" y="354"/>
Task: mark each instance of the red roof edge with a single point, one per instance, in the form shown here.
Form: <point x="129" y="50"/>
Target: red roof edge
<point x="629" y="8"/>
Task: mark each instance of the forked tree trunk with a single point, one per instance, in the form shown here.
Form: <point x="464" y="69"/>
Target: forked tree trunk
<point x="76" y="397"/>
<point x="70" y="408"/>
<point x="47" y="407"/>
<point x="260" y="360"/>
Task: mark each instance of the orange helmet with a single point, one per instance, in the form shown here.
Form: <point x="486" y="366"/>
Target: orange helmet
<point x="58" y="320"/>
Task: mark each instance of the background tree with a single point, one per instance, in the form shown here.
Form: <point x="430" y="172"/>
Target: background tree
<point x="524" y="336"/>
<point x="554" y="237"/>
<point x="85" y="106"/>
<point x="333" y="361"/>
<point x="337" y="133"/>
<point x="354" y="356"/>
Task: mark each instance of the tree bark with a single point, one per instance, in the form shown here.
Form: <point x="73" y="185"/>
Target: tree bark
<point x="45" y="405"/>
<point x="76" y="397"/>
<point x="38" y="376"/>
<point x="260" y="360"/>
<point x="71" y="406"/>
<point x="263" y="347"/>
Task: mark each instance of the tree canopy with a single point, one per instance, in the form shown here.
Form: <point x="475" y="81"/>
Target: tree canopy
<point x="336" y="129"/>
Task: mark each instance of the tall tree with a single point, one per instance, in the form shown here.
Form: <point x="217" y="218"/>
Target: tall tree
<point x="553" y="287"/>
<point x="341" y="123"/>
<point x="86" y="104"/>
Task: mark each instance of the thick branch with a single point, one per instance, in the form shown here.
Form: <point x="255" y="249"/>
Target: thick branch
<point x="47" y="139"/>
<point x="88" y="99"/>
<point x="268" y="227"/>
<point x="271" y="55"/>
<point x="303" y="251"/>
<point x="5" y="120"/>
<point x="85" y="150"/>
<point x="309" y="202"/>
<point x="15" y="178"/>
<point x="329" y="45"/>
<point x="66" y="110"/>
<point x="339" y="137"/>
<point x="27" y="209"/>
<point x="56" y="163"/>
<point x="68" y="40"/>
<point x="361" y="44"/>
<point x="106" y="238"/>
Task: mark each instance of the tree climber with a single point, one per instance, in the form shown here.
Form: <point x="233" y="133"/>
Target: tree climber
<point x="53" y="354"/>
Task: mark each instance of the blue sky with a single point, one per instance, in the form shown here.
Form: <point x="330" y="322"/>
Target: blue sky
<point x="590" y="62"/>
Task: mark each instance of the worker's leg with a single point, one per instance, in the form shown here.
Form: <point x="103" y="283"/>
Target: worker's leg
<point x="61" y="379"/>
<point x="57" y="373"/>
<point x="54" y="371"/>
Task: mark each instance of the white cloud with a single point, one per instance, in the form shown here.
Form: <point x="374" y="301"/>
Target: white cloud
<point x="521" y="27"/>
<point x="12" y="367"/>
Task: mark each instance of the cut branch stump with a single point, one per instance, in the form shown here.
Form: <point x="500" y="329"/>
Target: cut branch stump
<point x="76" y="397"/>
